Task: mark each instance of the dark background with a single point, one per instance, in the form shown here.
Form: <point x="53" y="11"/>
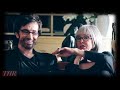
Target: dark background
<point x="59" y="82"/>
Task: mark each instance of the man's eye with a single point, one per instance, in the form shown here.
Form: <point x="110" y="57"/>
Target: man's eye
<point x="34" y="33"/>
<point x="25" y="31"/>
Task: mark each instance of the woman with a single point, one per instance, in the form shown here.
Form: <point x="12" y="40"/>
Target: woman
<point x="87" y="58"/>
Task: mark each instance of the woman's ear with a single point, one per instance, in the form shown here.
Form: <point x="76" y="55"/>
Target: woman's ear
<point x="17" y="35"/>
<point x="93" y="44"/>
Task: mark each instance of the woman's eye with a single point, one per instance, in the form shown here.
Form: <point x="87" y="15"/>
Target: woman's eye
<point x="86" y="37"/>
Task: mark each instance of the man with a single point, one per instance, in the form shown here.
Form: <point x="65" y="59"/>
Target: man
<point x="24" y="59"/>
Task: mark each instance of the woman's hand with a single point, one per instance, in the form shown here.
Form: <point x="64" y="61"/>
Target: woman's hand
<point x="66" y="51"/>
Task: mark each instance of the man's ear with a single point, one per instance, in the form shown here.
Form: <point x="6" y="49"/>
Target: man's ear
<point x="17" y="35"/>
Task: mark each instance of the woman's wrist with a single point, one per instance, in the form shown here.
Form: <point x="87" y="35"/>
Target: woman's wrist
<point x="78" y="52"/>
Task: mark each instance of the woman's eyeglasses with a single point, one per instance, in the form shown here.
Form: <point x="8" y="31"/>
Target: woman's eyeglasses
<point x="27" y="32"/>
<point x="85" y="38"/>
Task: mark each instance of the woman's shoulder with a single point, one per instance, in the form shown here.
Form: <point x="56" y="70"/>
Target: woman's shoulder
<point x="107" y="53"/>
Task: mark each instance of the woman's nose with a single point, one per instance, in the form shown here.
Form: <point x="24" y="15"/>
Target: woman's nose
<point x="81" y="40"/>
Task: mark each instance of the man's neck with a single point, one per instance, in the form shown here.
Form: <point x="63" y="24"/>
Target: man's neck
<point x="26" y="52"/>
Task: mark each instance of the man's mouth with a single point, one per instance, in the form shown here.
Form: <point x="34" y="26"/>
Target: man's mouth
<point x="29" y="41"/>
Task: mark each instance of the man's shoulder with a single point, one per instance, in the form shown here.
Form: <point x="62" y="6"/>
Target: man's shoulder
<point x="10" y="60"/>
<point x="46" y="56"/>
<point x="10" y="55"/>
<point x="9" y="52"/>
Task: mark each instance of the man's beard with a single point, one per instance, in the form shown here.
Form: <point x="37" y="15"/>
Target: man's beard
<point x="25" y="45"/>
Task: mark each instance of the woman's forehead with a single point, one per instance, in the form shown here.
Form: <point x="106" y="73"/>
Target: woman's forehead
<point x="83" y="33"/>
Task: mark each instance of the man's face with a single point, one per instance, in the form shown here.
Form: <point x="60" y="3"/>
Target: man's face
<point x="28" y="35"/>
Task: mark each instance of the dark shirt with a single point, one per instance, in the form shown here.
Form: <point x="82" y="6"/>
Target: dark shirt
<point x="39" y="64"/>
<point x="103" y="65"/>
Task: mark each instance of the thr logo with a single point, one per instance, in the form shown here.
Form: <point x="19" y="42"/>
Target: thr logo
<point x="9" y="73"/>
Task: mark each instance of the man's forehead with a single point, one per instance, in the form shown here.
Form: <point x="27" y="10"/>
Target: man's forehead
<point x="31" y="26"/>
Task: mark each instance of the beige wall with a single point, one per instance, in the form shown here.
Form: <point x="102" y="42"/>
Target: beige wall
<point x="106" y="44"/>
<point x="104" y="23"/>
<point x="48" y="44"/>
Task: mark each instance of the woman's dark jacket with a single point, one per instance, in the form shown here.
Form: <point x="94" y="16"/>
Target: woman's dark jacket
<point x="104" y="65"/>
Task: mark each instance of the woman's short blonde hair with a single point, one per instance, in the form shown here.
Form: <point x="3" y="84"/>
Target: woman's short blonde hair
<point x="95" y="34"/>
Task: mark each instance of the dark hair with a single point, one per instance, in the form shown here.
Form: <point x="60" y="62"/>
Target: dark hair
<point x="22" y="20"/>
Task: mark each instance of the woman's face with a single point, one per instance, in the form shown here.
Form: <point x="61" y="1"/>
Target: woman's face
<point x="84" y="42"/>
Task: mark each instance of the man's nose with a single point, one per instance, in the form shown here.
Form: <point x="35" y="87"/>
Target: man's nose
<point x="30" y="35"/>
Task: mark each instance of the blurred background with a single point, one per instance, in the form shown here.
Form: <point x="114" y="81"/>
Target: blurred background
<point x="57" y="26"/>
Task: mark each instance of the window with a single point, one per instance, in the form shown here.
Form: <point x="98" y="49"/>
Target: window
<point x="9" y="23"/>
<point x="46" y="20"/>
<point x="58" y="25"/>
